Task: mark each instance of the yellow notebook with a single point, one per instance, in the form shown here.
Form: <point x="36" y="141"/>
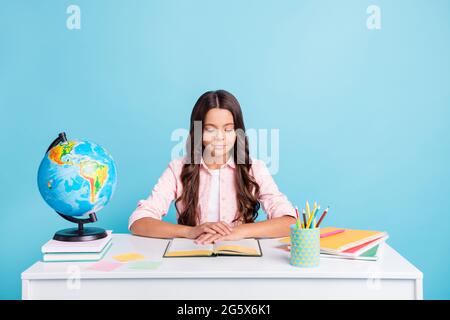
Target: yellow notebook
<point x="181" y="247"/>
<point x="345" y="240"/>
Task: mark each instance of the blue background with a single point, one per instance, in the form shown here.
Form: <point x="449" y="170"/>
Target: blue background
<point x="363" y="114"/>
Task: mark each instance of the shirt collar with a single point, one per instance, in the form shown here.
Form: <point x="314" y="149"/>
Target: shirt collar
<point x="230" y="162"/>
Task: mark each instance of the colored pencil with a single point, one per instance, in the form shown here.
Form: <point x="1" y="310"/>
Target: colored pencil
<point x="331" y="233"/>
<point x="304" y="217"/>
<point x="307" y="210"/>
<point x="323" y="216"/>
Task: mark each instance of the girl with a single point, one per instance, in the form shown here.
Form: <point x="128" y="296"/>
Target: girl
<point x="217" y="187"/>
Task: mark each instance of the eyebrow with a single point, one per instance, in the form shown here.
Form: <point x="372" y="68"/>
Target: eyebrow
<point x="226" y="124"/>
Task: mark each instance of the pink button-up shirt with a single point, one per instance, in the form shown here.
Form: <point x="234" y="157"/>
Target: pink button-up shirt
<point x="169" y="188"/>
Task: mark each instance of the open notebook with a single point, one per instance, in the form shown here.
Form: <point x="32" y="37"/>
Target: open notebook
<point x="181" y="247"/>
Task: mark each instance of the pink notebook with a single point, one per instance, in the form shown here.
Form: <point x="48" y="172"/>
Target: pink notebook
<point x="356" y="251"/>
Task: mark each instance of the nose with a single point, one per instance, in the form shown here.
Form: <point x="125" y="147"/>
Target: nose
<point x="219" y="135"/>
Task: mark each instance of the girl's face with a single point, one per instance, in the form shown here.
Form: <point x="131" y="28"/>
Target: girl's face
<point x="219" y="135"/>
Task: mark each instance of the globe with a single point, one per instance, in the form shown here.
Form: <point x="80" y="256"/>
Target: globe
<point x="77" y="177"/>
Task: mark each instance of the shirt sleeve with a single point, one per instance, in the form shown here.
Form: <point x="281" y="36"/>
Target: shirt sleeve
<point x="273" y="202"/>
<point x="157" y="204"/>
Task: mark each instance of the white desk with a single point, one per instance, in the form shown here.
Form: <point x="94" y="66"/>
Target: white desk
<point x="224" y="277"/>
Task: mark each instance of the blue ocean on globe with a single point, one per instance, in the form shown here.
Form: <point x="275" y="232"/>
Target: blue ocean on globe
<point x="77" y="177"/>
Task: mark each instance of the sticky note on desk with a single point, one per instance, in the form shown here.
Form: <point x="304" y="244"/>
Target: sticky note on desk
<point x="144" y="265"/>
<point x="131" y="256"/>
<point x="104" y="266"/>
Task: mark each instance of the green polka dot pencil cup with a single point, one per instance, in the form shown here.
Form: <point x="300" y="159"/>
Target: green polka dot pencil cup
<point x="305" y="247"/>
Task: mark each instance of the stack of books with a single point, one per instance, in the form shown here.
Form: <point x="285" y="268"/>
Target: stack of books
<point x="341" y="243"/>
<point x="63" y="251"/>
<point x="351" y="244"/>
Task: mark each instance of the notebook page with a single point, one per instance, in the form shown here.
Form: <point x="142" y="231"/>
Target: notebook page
<point x="244" y="246"/>
<point x="187" y="247"/>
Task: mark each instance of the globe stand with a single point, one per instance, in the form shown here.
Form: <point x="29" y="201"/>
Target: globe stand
<point x="81" y="233"/>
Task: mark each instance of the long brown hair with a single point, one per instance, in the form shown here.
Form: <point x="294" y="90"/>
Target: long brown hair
<point x="246" y="186"/>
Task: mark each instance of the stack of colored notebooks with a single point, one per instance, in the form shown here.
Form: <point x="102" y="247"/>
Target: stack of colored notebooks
<point x="351" y="244"/>
<point x="343" y="243"/>
<point x="63" y="251"/>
